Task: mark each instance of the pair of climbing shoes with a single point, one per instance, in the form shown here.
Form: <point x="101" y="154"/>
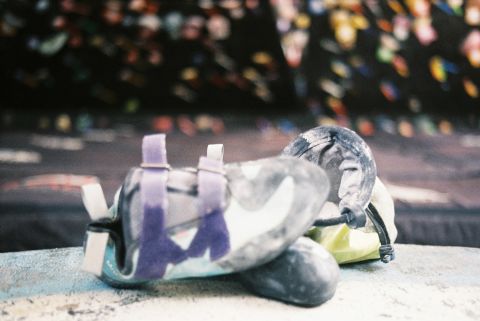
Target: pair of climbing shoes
<point x="169" y="223"/>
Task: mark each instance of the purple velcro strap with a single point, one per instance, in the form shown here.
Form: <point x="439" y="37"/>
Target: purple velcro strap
<point x="211" y="185"/>
<point x="156" y="250"/>
<point x="212" y="232"/>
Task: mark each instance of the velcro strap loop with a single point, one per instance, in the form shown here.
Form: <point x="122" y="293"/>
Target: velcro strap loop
<point x="215" y="151"/>
<point x="156" y="166"/>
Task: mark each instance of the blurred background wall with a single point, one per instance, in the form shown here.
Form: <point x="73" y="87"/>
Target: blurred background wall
<point x="139" y="56"/>
<point x="330" y="57"/>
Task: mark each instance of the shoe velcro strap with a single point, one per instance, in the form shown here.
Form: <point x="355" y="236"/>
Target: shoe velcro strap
<point x="212" y="233"/>
<point x="156" y="250"/>
<point x="94" y="201"/>
<point x="211" y="185"/>
<point x="95" y="246"/>
<point x="215" y="151"/>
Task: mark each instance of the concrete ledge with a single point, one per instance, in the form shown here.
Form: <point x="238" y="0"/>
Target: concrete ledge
<point x="424" y="283"/>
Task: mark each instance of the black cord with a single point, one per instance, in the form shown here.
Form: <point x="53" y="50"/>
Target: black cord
<point x="387" y="252"/>
<point x="331" y="221"/>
